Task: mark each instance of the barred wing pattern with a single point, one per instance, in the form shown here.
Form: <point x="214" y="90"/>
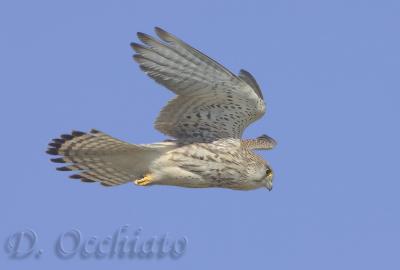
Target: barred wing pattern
<point x="211" y="101"/>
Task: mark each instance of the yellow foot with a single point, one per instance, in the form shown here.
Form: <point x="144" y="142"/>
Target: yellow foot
<point x="144" y="181"/>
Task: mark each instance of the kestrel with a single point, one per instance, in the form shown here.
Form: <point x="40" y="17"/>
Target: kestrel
<point x="207" y="117"/>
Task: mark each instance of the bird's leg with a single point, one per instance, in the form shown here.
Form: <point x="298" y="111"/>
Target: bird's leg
<point x="146" y="180"/>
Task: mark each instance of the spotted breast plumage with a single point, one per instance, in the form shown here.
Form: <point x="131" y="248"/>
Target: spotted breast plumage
<point x="206" y="120"/>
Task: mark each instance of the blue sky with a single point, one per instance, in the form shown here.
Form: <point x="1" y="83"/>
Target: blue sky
<point x="329" y="71"/>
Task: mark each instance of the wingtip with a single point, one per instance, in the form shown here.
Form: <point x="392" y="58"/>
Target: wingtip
<point x="269" y="139"/>
<point x="136" y="47"/>
<point x="158" y="29"/>
<point x="143" y="37"/>
<point x="162" y="34"/>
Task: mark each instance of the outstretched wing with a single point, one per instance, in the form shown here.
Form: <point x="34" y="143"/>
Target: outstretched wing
<point x="211" y="101"/>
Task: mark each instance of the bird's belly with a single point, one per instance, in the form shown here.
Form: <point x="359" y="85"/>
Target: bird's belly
<point x="203" y="165"/>
<point x="197" y="172"/>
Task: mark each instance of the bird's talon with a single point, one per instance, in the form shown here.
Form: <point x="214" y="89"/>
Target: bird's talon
<point x="143" y="181"/>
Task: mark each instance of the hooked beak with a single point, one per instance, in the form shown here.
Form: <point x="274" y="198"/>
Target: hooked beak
<point x="268" y="184"/>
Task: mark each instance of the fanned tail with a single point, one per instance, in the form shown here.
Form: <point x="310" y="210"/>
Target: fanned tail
<point x="99" y="157"/>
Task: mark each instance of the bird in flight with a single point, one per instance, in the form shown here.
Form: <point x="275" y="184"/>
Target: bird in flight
<point x="206" y="120"/>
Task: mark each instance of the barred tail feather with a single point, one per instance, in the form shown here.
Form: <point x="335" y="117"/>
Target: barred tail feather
<point x="99" y="157"/>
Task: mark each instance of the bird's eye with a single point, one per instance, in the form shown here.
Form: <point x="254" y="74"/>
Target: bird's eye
<point x="268" y="172"/>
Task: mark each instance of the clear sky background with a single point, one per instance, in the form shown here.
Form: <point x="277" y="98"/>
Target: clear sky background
<point x="329" y="71"/>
